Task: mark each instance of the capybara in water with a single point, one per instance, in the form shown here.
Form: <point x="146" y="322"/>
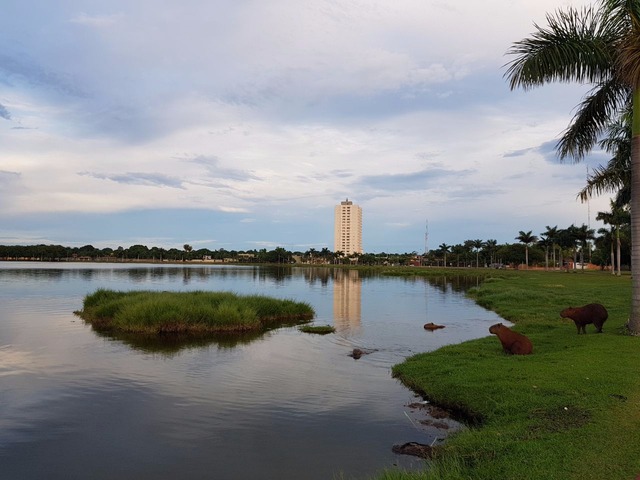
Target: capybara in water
<point x="581" y="316"/>
<point x="432" y="326"/>
<point x="512" y="342"/>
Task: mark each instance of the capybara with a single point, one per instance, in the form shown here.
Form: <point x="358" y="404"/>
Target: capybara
<point x="581" y="316"/>
<point x="512" y="342"/>
<point x="432" y="326"/>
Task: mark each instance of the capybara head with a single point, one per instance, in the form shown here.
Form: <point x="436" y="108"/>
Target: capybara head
<point x="567" y="312"/>
<point x="495" y="328"/>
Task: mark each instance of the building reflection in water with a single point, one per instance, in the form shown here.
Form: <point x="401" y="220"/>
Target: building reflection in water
<point x="347" y="300"/>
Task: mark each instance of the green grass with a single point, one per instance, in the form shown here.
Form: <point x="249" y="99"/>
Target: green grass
<point x="319" y="329"/>
<point x="569" y="411"/>
<point x="188" y="312"/>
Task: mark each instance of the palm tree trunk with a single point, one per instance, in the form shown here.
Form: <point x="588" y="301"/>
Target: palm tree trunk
<point x="526" y="256"/>
<point x="546" y="257"/>
<point x="613" y="262"/>
<point x="634" y="318"/>
<point x="618" y="249"/>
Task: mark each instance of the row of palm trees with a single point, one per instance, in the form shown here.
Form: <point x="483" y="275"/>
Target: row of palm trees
<point x="554" y="243"/>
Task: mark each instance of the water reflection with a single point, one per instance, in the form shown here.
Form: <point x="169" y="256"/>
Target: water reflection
<point x="169" y="345"/>
<point x="347" y="300"/>
<point x="453" y="283"/>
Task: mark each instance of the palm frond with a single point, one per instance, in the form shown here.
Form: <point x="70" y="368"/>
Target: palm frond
<point x="617" y="139"/>
<point x="577" y="46"/>
<point x="603" y="180"/>
<point x="594" y="114"/>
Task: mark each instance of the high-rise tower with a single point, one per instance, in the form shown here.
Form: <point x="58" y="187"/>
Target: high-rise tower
<point x="348" y="228"/>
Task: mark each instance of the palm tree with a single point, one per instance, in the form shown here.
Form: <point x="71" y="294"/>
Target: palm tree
<point x="310" y="253"/>
<point x="187" y="248"/>
<point x="527" y="238"/>
<point x="545" y="242"/>
<point x="572" y="243"/>
<point x="491" y="245"/>
<point x="444" y="249"/>
<point x="552" y="234"/>
<point x="584" y="234"/>
<point x="607" y="237"/>
<point x="458" y="250"/>
<point x="477" y="246"/>
<point x="325" y="254"/>
<point x="565" y="239"/>
<point x="597" y="46"/>
<point x="607" y="219"/>
<point x="615" y="218"/>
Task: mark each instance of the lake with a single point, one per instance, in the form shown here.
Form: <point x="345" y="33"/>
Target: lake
<point x="77" y="404"/>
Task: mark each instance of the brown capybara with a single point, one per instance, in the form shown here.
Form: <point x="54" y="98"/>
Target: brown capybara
<point x="581" y="316"/>
<point x="512" y="342"/>
<point x="432" y="326"/>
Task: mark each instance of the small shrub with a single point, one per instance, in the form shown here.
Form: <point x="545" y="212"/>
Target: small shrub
<point x="318" y="329"/>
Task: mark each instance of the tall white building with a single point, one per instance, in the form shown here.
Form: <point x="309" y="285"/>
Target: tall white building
<point x="348" y="228"/>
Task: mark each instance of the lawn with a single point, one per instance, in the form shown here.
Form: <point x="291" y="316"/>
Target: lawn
<point x="571" y="410"/>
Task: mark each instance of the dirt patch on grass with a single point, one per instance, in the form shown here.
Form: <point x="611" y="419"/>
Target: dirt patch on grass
<point x="558" y="419"/>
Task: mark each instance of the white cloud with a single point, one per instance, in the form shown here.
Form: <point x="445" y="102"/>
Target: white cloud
<point x="99" y="21"/>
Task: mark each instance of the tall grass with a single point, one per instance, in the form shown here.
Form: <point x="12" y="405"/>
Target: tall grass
<point x="199" y="311"/>
<point x="569" y="411"/>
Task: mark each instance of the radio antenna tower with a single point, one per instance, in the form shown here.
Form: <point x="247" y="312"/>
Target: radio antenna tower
<point x="426" y="238"/>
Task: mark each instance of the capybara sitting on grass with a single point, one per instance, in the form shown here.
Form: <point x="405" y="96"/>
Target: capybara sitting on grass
<point x="512" y="342"/>
<point x="581" y="316"/>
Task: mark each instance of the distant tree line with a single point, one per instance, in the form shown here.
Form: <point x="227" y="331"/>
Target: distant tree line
<point x="553" y="248"/>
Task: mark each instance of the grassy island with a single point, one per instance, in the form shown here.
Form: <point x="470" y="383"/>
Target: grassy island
<point x="188" y="312"/>
<point x="318" y="329"/>
<point x="571" y="410"/>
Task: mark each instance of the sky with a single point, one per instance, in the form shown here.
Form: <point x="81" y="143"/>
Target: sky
<point x="241" y="124"/>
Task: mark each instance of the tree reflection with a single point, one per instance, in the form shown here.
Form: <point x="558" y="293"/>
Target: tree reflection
<point x="170" y="345"/>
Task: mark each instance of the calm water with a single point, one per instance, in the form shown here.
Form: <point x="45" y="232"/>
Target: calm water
<point x="75" y="404"/>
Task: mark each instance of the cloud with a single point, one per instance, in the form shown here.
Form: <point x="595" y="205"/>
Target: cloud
<point x="232" y="209"/>
<point x="19" y="69"/>
<point x="132" y="178"/>
<point x="4" y="113"/>
<point x="8" y="177"/>
<point x="418" y="180"/>
<point x="99" y="21"/>
<point x="212" y="166"/>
